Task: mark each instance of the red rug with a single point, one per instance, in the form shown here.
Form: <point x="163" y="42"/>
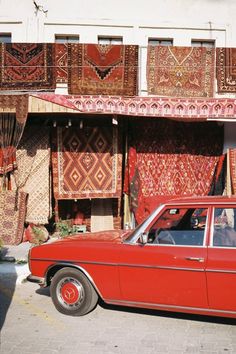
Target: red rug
<point x="61" y="62"/>
<point x="177" y="159"/>
<point x="12" y="217"/>
<point x="226" y="69"/>
<point x="103" y="69"/>
<point x="27" y="66"/>
<point x="232" y="163"/>
<point x="86" y="163"/>
<point x="180" y="71"/>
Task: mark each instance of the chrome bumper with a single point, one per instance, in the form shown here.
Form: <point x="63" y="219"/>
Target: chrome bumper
<point x="39" y="280"/>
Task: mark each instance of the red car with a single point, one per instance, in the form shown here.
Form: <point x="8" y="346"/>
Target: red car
<point x="181" y="258"/>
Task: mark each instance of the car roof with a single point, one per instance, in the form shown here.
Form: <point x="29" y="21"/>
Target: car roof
<point x="210" y="200"/>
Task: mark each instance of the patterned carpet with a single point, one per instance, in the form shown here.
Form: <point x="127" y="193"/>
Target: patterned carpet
<point x="180" y="71"/>
<point x="103" y="69"/>
<point x="86" y="163"/>
<point x="26" y="66"/>
<point x="226" y="69"/>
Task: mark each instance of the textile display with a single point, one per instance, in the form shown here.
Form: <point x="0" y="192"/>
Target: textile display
<point x="103" y="69"/>
<point x="226" y="69"/>
<point x="177" y="159"/>
<point x="11" y="131"/>
<point x="61" y="62"/>
<point x="101" y="215"/>
<point x="219" y="179"/>
<point x="12" y="217"/>
<point x="87" y="163"/>
<point x="180" y="71"/>
<point x="232" y="166"/>
<point x="27" y="66"/>
<point x="32" y="175"/>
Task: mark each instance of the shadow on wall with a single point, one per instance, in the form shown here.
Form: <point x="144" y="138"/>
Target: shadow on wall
<point x="8" y="279"/>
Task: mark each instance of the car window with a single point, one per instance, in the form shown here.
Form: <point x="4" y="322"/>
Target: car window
<point x="224" y="234"/>
<point x="180" y="226"/>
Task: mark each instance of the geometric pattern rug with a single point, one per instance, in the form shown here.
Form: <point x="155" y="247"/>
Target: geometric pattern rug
<point x="101" y="215"/>
<point x="180" y="71"/>
<point x="103" y="69"/>
<point x="232" y="166"/>
<point x="26" y="66"/>
<point x="178" y="159"/>
<point x="86" y="163"/>
<point x="61" y="62"/>
<point x="226" y="69"/>
<point x="32" y="175"/>
<point x="12" y="216"/>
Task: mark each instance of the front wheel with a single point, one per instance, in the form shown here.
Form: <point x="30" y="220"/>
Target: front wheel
<point x="72" y="293"/>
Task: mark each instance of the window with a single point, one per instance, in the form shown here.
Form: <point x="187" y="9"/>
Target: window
<point x="110" y="40"/>
<point x="203" y="43"/>
<point x="158" y="41"/>
<point x="66" y="39"/>
<point x="5" y="37"/>
<point x="224" y="234"/>
<point x="179" y="226"/>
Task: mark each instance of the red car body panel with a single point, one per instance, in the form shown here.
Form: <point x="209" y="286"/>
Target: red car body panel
<point x="195" y="279"/>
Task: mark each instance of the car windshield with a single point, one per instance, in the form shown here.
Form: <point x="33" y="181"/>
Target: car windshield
<point x="141" y="227"/>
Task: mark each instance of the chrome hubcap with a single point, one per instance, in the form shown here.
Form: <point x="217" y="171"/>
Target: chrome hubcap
<point x="70" y="293"/>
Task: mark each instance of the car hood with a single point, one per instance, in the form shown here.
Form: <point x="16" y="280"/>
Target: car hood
<point x="112" y="236"/>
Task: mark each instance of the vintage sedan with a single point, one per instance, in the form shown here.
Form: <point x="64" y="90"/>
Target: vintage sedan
<point x="181" y="258"/>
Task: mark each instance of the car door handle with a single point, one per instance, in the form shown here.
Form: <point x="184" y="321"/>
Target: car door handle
<point x="196" y="259"/>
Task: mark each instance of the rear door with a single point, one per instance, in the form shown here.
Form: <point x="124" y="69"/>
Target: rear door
<point x="221" y="265"/>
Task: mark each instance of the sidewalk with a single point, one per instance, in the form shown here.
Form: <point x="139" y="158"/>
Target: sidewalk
<point x="15" y="261"/>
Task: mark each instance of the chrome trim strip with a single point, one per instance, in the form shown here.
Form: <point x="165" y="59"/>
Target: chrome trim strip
<point x="75" y="264"/>
<point x="172" y="307"/>
<point x="221" y="271"/>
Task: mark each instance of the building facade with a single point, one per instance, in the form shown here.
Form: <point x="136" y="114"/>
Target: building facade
<point x="161" y="106"/>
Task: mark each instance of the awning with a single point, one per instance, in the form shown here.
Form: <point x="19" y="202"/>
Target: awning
<point x="183" y="109"/>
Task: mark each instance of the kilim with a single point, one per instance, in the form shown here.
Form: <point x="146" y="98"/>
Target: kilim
<point x="232" y="163"/>
<point x="177" y="159"/>
<point x="61" y="62"/>
<point x="180" y="71"/>
<point x="27" y="66"/>
<point x="12" y="216"/>
<point x="226" y="69"/>
<point x="103" y="69"/>
<point x="101" y="215"/>
<point x="87" y="163"/>
<point x="33" y="159"/>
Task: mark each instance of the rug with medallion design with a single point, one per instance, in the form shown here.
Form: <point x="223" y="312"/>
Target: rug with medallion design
<point x="103" y="69"/>
<point x="180" y="71"/>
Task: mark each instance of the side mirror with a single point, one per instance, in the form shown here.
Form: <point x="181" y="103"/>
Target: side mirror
<point x="144" y="238"/>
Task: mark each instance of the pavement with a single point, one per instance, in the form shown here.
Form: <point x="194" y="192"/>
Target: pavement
<point x="14" y="261"/>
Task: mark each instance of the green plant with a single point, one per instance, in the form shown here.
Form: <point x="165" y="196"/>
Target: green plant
<point x="1" y="243"/>
<point x="38" y="235"/>
<point x="64" y="228"/>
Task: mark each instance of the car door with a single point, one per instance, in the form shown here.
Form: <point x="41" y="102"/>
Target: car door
<point x="166" y="272"/>
<point x="221" y="265"/>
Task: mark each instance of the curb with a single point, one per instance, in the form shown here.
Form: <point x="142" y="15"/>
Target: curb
<point x="20" y="271"/>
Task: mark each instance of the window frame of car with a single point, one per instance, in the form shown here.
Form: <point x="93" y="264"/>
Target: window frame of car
<point x="211" y="241"/>
<point x="142" y="228"/>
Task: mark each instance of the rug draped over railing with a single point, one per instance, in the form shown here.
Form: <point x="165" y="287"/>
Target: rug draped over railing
<point x="27" y="66"/>
<point x="103" y="69"/>
<point x="32" y="175"/>
<point x="87" y="163"/>
<point x="168" y="158"/>
<point x="226" y="69"/>
<point x="61" y="62"/>
<point x="180" y="71"/>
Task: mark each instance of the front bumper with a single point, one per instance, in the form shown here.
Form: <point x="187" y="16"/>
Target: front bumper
<point x="39" y="280"/>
